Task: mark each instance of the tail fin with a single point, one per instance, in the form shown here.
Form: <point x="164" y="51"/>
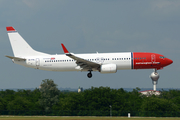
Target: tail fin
<point x="19" y="46"/>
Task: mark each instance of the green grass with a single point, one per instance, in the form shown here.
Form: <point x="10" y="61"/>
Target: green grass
<point x="80" y="118"/>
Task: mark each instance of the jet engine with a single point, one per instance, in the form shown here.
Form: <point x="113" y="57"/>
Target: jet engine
<point x="154" y="76"/>
<point x="108" y="68"/>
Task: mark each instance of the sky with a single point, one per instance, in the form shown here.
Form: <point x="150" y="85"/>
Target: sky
<point x="87" y="26"/>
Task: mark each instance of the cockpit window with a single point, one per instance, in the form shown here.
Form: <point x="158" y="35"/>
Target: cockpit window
<point x="162" y="57"/>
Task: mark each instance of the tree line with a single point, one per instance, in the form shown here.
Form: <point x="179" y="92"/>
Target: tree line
<point x="49" y="98"/>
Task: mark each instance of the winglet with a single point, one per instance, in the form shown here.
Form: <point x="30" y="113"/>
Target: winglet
<point x="10" y="28"/>
<point x="64" y="48"/>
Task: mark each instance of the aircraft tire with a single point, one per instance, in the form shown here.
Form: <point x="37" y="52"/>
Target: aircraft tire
<point x="89" y="75"/>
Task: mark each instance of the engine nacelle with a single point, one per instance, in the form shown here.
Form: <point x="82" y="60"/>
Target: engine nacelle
<point x="154" y="76"/>
<point x="108" y="68"/>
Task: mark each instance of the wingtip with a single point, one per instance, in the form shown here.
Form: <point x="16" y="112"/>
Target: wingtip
<point x="10" y="28"/>
<point x="64" y="48"/>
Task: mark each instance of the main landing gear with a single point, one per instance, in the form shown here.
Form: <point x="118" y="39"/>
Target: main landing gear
<point x="89" y="75"/>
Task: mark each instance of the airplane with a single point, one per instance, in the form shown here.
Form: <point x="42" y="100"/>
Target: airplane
<point x="26" y="56"/>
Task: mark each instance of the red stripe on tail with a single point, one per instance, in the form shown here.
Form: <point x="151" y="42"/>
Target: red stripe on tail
<point x="10" y="28"/>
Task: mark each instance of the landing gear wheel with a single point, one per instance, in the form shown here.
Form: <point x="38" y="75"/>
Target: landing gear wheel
<point x="89" y="75"/>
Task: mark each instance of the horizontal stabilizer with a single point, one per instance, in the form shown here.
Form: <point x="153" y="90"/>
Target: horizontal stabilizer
<point x="16" y="58"/>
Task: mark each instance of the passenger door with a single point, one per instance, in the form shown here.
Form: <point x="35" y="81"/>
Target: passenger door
<point x="37" y="62"/>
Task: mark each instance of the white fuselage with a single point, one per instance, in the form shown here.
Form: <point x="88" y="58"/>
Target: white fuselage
<point x="25" y="55"/>
<point x="64" y="63"/>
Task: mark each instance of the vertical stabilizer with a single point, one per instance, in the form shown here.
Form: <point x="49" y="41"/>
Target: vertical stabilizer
<point x="19" y="46"/>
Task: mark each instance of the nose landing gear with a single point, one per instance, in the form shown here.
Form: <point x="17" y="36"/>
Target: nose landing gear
<point x="89" y="75"/>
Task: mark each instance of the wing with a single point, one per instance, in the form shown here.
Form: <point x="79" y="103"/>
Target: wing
<point x="82" y="63"/>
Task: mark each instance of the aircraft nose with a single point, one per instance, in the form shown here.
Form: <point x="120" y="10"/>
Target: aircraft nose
<point x="169" y="61"/>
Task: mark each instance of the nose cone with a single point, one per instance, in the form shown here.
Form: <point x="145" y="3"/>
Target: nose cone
<point x="169" y="61"/>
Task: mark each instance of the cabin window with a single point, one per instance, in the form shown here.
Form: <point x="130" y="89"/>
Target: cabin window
<point x="162" y="57"/>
